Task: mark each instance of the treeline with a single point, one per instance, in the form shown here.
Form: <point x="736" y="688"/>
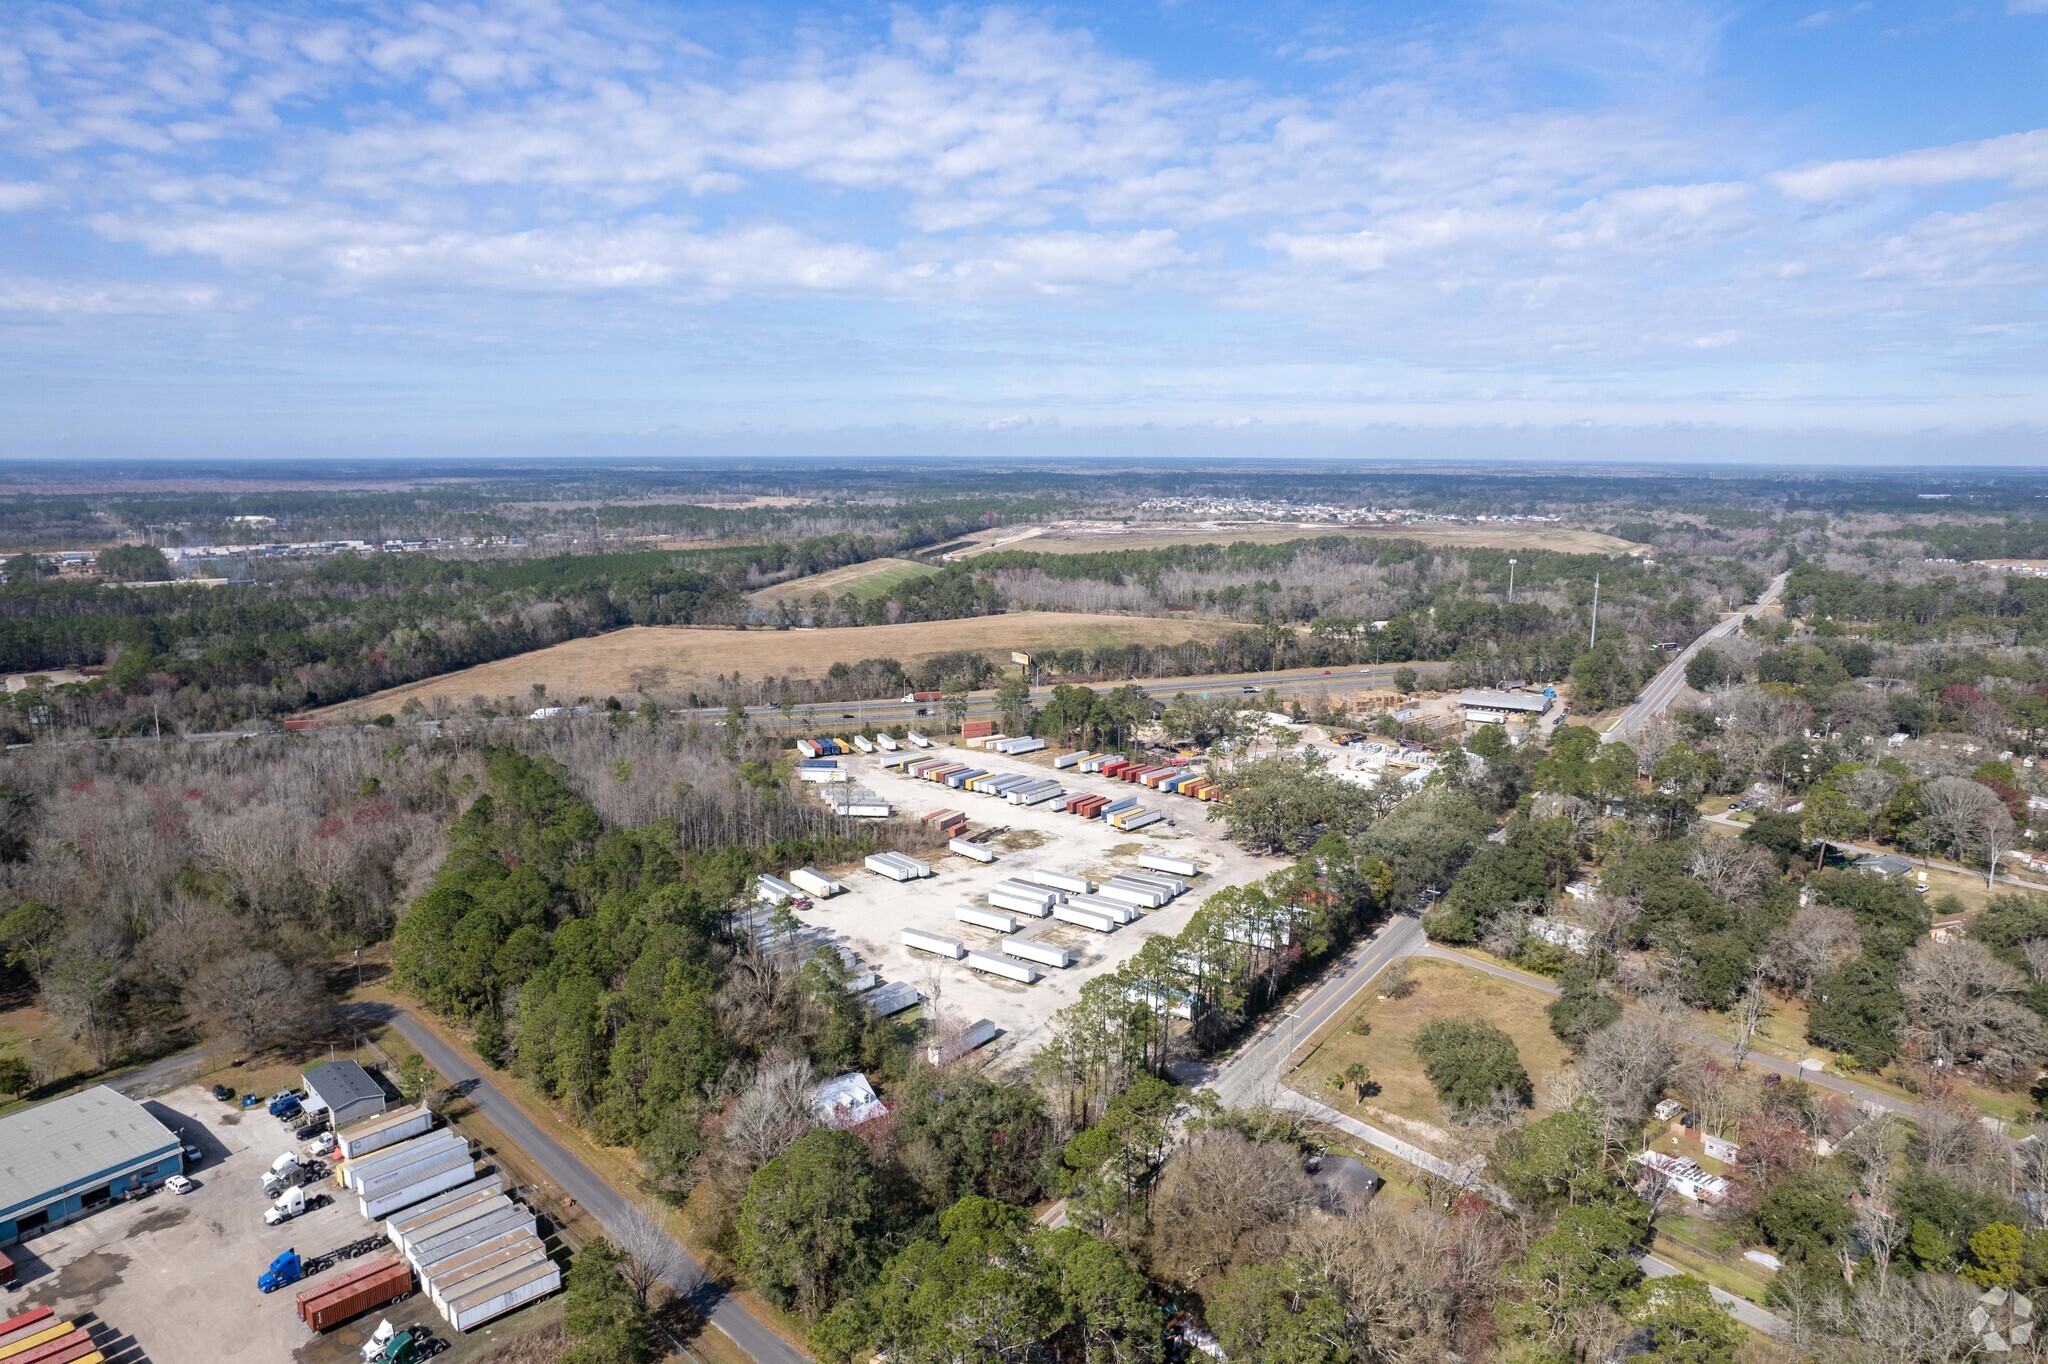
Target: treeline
<point x="210" y="656"/>
<point x="1943" y="606"/>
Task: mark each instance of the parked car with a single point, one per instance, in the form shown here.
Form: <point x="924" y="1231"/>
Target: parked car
<point x="178" y="1184"/>
<point x="223" y="1093"/>
<point x="193" y="1152"/>
<point x="311" y="1129"/>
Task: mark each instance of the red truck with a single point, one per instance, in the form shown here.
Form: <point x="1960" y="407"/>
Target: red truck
<point x="914" y="697"/>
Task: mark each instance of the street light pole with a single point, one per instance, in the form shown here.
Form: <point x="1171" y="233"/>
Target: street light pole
<point x="1595" y="638"/>
<point x="1511" y="582"/>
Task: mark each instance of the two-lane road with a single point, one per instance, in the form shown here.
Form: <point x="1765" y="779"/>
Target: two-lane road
<point x="583" y="1184"/>
<point x="1664" y="688"/>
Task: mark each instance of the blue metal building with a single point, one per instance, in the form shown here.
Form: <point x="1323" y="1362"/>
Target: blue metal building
<point x="62" y="1159"/>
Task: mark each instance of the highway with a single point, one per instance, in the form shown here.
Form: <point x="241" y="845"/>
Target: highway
<point x="583" y="1184"/>
<point x="1667" y="684"/>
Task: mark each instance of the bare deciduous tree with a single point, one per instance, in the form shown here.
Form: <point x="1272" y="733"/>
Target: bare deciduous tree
<point x="1963" y="1006"/>
<point x="1630" y="1061"/>
<point x="1814" y="941"/>
<point x="652" y="1255"/>
<point x="1221" y="1197"/>
<point x="772" y="1109"/>
<point x="1734" y="871"/>
<point x="1966" y="820"/>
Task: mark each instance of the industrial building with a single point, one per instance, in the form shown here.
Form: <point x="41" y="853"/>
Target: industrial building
<point x="1482" y="706"/>
<point x="62" y="1159"/>
<point x="344" y="1091"/>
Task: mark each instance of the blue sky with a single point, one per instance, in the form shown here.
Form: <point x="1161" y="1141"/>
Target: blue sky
<point x="1542" y="230"/>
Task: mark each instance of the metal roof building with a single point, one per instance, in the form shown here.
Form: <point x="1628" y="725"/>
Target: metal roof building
<point x="1484" y="706"/>
<point x="62" y="1159"/>
<point x="344" y="1090"/>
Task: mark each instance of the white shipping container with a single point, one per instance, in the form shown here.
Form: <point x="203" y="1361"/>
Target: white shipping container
<point x="401" y="1153"/>
<point x="911" y="864"/>
<point x="1016" y="885"/>
<point x="972" y="851"/>
<point x="1144" y="897"/>
<point x="417" y="1227"/>
<point x="383" y="1181"/>
<point x="1084" y="918"/>
<point x="815" y="882"/>
<point x="421" y="1229"/>
<point x="773" y="890"/>
<point x="1060" y="880"/>
<point x="379" y="1208"/>
<point x="1074" y="759"/>
<point x="862" y="744"/>
<point x="1170" y="885"/>
<point x="823" y="776"/>
<point x="486" y="1263"/>
<point x="983" y="918"/>
<point x="933" y="943"/>
<point x="881" y="864"/>
<point x="918" y="739"/>
<point x="433" y="1209"/>
<point x="1116" y="909"/>
<point x="979" y="1033"/>
<point x="807" y="748"/>
<point x="495" y="1299"/>
<point x="865" y="981"/>
<point x="386" y="1129"/>
<point x="884" y="742"/>
<point x="430" y="1251"/>
<point x="1005" y="967"/>
<point x="1037" y="795"/>
<point x="1044" y="953"/>
<point x="1034" y="905"/>
<point x="1144" y="819"/>
<point x="1176" y="866"/>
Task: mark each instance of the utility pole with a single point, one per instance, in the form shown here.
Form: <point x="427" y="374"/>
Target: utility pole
<point x="1511" y="582"/>
<point x="1595" y="638"/>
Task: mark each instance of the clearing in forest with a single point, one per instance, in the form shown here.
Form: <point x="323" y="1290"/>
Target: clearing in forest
<point x="861" y="581"/>
<point x="683" y="658"/>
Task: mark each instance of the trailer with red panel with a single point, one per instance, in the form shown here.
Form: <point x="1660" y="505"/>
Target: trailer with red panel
<point x="385" y="1280"/>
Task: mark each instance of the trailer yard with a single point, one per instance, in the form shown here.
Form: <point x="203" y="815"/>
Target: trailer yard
<point x="176" y="1274"/>
<point x="1048" y="876"/>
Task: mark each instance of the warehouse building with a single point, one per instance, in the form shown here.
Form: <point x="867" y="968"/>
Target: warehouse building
<point x="344" y="1091"/>
<point x="1484" y="707"/>
<point x="63" y="1159"/>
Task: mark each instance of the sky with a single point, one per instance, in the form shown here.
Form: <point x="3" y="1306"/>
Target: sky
<point x="1557" y="229"/>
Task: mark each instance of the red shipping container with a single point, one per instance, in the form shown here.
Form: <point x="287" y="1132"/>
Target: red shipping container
<point x="16" y="1325"/>
<point x="977" y="729"/>
<point x="358" y="1292"/>
<point x="63" y="1350"/>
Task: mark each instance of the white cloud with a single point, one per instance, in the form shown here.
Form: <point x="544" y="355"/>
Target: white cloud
<point x="2018" y="158"/>
<point x="15" y="197"/>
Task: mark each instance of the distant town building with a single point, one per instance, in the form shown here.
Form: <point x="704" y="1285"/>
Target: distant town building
<point x="1485" y="706"/>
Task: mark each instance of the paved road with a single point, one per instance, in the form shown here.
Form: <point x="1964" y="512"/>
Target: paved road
<point x="1253" y="1074"/>
<point x="581" y="1183"/>
<point x="1666" y="685"/>
<point x="160" y="1075"/>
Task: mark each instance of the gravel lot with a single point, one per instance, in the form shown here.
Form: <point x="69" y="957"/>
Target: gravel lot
<point x="174" y="1278"/>
<point x="870" y="917"/>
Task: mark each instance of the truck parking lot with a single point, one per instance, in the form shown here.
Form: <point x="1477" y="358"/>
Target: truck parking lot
<point x="871" y="916"/>
<point x="178" y="1272"/>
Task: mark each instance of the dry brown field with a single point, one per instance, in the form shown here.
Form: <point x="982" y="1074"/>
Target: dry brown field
<point x="675" y="658"/>
<point x="1088" y="540"/>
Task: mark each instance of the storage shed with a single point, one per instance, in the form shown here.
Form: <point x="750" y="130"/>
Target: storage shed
<point x="344" y="1091"/>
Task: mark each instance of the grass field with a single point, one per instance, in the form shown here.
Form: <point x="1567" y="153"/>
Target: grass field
<point x="673" y="659"/>
<point x="860" y="581"/>
<point x="1442" y="990"/>
<point x="1078" y="539"/>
